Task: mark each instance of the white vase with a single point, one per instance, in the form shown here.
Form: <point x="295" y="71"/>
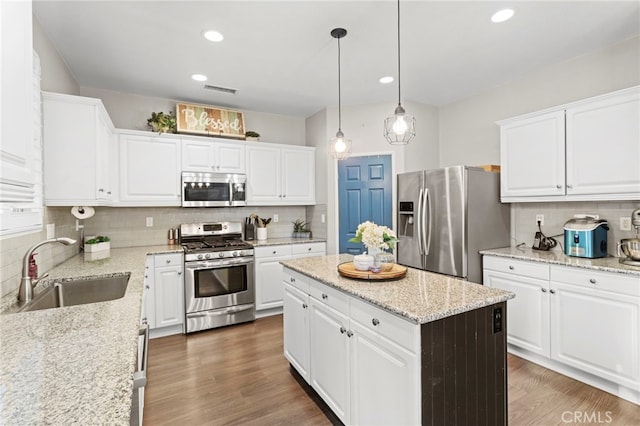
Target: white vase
<point x="373" y="251"/>
<point x="262" y="233"/>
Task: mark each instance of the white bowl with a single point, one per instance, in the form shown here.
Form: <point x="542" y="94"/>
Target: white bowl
<point x="363" y="262"/>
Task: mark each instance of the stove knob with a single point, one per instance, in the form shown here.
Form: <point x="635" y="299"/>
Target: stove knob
<point x="235" y="254"/>
<point x="199" y="257"/>
<point x="240" y="253"/>
<point x="207" y="256"/>
<point x="221" y="254"/>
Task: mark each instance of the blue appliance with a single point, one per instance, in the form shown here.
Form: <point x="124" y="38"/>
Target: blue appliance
<point x="585" y="236"/>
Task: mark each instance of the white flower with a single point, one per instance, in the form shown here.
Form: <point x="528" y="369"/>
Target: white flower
<point x="375" y="236"/>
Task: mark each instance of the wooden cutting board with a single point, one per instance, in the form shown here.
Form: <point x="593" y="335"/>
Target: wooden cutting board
<point x="349" y="270"/>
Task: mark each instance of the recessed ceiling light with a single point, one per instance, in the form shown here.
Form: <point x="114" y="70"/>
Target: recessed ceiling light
<point x="386" y="79"/>
<point x="502" y="15"/>
<point x="199" y="77"/>
<point x="212" y="35"/>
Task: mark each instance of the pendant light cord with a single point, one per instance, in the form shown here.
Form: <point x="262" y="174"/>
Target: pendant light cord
<point x="398" y="52"/>
<point x="339" y="91"/>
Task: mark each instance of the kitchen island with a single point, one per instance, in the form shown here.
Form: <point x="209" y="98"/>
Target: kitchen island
<point x="75" y="364"/>
<point x="424" y="349"/>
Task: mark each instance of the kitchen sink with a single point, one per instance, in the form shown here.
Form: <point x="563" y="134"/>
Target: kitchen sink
<point x="79" y="292"/>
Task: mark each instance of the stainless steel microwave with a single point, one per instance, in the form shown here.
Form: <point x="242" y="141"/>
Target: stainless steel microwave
<point x="213" y="189"/>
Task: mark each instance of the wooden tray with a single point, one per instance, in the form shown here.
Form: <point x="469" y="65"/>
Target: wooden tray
<point x="348" y="270"/>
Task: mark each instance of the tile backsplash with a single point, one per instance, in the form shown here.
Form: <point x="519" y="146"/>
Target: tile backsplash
<point x="524" y="226"/>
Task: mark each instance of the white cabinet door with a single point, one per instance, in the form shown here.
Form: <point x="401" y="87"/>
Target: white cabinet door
<point x="264" y="174"/>
<point x="532" y="156"/>
<point x="212" y="156"/>
<point x="150" y="170"/>
<point x="329" y="346"/>
<point x="596" y="331"/>
<point x="528" y="313"/>
<point x="169" y="298"/>
<point x="269" y="292"/>
<point x="298" y="179"/>
<point x="296" y="329"/>
<point x="385" y="380"/>
<point x="603" y="146"/>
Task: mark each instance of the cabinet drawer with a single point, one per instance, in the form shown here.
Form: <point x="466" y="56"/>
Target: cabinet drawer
<point x="171" y="259"/>
<point x="618" y="283"/>
<point x="517" y="267"/>
<point x="332" y="297"/>
<point x="272" y="251"/>
<point x="400" y="331"/>
<point x="308" y="248"/>
<point x="296" y="280"/>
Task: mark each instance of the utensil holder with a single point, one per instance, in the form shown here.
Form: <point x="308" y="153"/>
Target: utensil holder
<point x="249" y="232"/>
<point x="262" y="233"/>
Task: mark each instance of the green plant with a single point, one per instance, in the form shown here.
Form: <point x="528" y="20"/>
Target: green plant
<point x="252" y="134"/>
<point x="162" y="123"/>
<point x="300" y="226"/>
<point x="98" y="239"/>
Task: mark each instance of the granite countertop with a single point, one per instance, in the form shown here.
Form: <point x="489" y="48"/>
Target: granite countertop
<point x="419" y="297"/>
<point x="75" y="365"/>
<point x="286" y="240"/>
<point x="606" y="264"/>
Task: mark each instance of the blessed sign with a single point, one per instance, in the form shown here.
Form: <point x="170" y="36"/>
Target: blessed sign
<point x="210" y="121"/>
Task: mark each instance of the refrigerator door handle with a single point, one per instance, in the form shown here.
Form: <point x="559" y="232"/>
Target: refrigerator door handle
<point x="427" y="201"/>
<point x="419" y="221"/>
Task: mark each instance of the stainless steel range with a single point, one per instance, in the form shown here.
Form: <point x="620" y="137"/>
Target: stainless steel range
<point x="219" y="284"/>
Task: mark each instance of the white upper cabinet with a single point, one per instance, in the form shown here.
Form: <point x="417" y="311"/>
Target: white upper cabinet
<point x="213" y="155"/>
<point x="149" y="169"/>
<point x="587" y="150"/>
<point x="280" y="175"/>
<point x="78" y="140"/>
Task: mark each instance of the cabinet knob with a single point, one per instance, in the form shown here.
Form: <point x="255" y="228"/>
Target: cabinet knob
<point x="147" y="287"/>
<point x="179" y="272"/>
<point x="349" y="333"/>
<point x="284" y="195"/>
<point x="324" y="296"/>
<point x="343" y="330"/>
<point x="552" y="291"/>
<point x="309" y="249"/>
<point x="511" y="267"/>
<point x="273" y="252"/>
<point x="569" y="186"/>
<point x="375" y="321"/>
<point x="146" y="276"/>
<point x="168" y="261"/>
<point x="108" y="192"/>
<point x="558" y="186"/>
<point x="592" y="280"/>
<point x="304" y="306"/>
<point x="544" y="290"/>
<point x="100" y="189"/>
<point x="293" y="280"/>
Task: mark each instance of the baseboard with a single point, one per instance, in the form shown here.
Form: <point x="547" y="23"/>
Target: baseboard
<point x="166" y="331"/>
<point x="269" y="312"/>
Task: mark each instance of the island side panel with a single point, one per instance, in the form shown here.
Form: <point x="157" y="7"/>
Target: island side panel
<point x="464" y="369"/>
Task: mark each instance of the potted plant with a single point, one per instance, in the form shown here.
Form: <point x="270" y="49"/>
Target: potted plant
<point x="162" y="123"/>
<point x="98" y="243"/>
<point x="252" y="136"/>
<point x="301" y="229"/>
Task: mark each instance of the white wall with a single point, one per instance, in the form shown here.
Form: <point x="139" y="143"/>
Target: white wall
<point x="56" y="77"/>
<point x="129" y="111"/>
<point x="468" y="133"/>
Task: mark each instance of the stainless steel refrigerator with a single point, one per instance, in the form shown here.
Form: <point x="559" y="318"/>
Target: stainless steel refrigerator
<point x="445" y="216"/>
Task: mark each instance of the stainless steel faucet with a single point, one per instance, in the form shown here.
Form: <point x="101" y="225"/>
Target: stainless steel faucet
<point x="25" y="292"/>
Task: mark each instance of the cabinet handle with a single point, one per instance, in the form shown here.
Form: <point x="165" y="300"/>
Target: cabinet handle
<point x="108" y="192"/>
<point x="343" y="330"/>
<point x="100" y="189"/>
<point x="324" y="296"/>
<point x="511" y="267"/>
<point x="309" y="249"/>
<point x="147" y="287"/>
<point x="544" y="290"/>
<point x="304" y="306"/>
<point x="592" y="280"/>
<point x="349" y="333"/>
<point x="558" y="186"/>
<point x="569" y="186"/>
<point x="552" y="291"/>
<point x="375" y="321"/>
<point x="168" y="261"/>
<point x="180" y="273"/>
<point x="273" y="252"/>
<point x="293" y="280"/>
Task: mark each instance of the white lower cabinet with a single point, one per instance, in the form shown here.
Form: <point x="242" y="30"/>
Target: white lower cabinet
<point x="164" y="294"/>
<point x="581" y="322"/>
<point x="363" y="362"/>
<point x="268" y="271"/>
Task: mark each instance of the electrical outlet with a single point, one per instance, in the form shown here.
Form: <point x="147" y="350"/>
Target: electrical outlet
<point x="275" y="218"/>
<point x="540" y="218"/>
<point x="625" y="224"/>
<point x="51" y="230"/>
<point x="322" y="218"/>
<point x="149" y="222"/>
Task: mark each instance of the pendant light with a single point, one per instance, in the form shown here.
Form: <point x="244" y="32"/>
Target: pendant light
<point x="339" y="147"/>
<point x="399" y="128"/>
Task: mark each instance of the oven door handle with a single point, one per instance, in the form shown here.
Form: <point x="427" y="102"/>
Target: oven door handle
<point x="216" y="264"/>
<point x="229" y="310"/>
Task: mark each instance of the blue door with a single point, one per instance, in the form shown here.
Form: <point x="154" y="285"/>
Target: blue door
<point x="364" y="193"/>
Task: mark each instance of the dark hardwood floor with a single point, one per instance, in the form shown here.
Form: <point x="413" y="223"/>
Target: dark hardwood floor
<point x="238" y="376"/>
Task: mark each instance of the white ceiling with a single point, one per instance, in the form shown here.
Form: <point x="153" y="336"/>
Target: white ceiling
<point x="280" y="56"/>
